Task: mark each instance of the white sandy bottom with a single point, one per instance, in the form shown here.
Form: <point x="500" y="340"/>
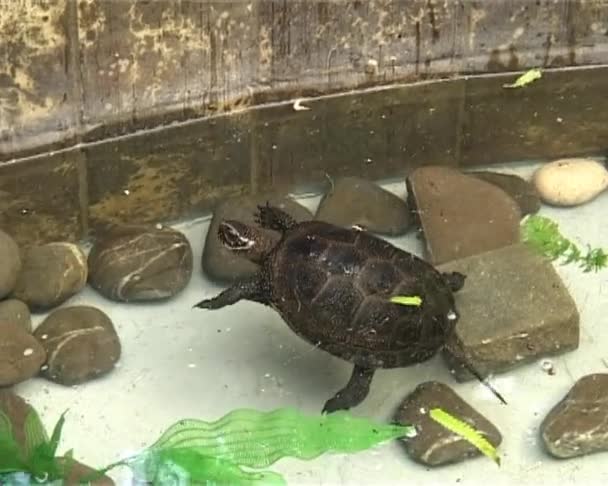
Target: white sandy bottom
<point x="180" y="362"/>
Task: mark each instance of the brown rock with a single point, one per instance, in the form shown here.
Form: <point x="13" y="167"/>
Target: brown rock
<point x="21" y="356"/>
<point x="355" y="201"/>
<point x="81" y="344"/>
<point x="221" y="264"/>
<point x="16" y="409"/>
<point x="15" y="311"/>
<point x="11" y="264"/>
<point x="459" y="214"/>
<point x="523" y="192"/>
<point x="578" y="424"/>
<point x="528" y="314"/>
<point x="434" y="445"/>
<point x="51" y="274"/>
<point x="141" y="264"/>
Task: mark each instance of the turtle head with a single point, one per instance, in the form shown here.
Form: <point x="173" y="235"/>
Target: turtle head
<point x="249" y="241"/>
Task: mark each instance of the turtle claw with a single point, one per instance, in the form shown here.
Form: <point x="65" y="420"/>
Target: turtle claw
<point x="270" y="217"/>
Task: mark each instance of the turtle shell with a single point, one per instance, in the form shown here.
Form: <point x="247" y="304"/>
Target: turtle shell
<point x="332" y="286"/>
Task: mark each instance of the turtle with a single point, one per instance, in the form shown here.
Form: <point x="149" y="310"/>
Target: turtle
<point x="332" y="285"/>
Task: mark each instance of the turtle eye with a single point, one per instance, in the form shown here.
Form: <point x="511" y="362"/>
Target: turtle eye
<point x="231" y="237"/>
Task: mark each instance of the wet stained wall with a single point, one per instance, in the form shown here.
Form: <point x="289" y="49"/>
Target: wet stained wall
<point x="79" y="74"/>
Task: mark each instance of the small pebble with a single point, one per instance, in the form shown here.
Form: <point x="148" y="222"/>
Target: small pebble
<point x="11" y="264"/>
<point x="434" y="445"/>
<point x="21" y="356"/>
<point x="570" y="182"/>
<point x="51" y="274"/>
<point x="15" y="311"/>
<point x="142" y="264"/>
<point x="81" y="344"/>
<point x="358" y="202"/>
<point x="577" y="425"/>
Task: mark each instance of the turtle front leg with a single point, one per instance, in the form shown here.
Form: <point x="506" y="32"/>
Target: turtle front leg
<point x="353" y="393"/>
<point x="271" y="217"/>
<point x="249" y="289"/>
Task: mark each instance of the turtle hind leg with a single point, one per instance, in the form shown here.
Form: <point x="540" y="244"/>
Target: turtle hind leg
<point x="271" y="217"/>
<point x="250" y="289"/>
<point x="353" y="393"/>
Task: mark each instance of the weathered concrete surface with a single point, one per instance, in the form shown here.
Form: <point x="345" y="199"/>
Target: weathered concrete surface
<point x="76" y="67"/>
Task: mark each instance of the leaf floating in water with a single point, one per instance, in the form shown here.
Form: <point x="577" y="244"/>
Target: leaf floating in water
<point x="406" y="300"/>
<point x="467" y="432"/>
<point x="543" y="235"/>
<point x="525" y="79"/>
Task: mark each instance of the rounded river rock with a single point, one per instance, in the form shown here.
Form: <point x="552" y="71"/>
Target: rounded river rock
<point x="51" y="274"/>
<point x="15" y="311"/>
<point x="355" y="201"/>
<point x="21" y="356"/>
<point x="221" y="264"/>
<point x="578" y="424"/>
<point x="81" y="344"/>
<point x="141" y="264"/>
<point x="11" y="264"/>
<point x="434" y="445"/>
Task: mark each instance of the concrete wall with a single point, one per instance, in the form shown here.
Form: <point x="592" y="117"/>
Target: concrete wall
<point x="83" y="70"/>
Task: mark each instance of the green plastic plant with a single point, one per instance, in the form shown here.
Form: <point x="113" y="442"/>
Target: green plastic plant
<point x="36" y="457"/>
<point x="543" y="235"/>
<point x="221" y="452"/>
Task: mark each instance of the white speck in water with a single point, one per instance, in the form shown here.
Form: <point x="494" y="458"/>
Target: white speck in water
<point x="192" y="365"/>
<point x="559" y="119"/>
<point x="126" y="192"/>
<point x="485" y="341"/>
<point x="44" y="336"/>
<point x="28" y="352"/>
<point x="411" y="433"/>
<point x="368" y="160"/>
<point x="267" y="375"/>
<point x="451" y="315"/>
<point x="228" y="329"/>
<point x="422" y="410"/>
<point x="159" y="226"/>
<point x="25" y="211"/>
<point x="44" y="367"/>
<point x="274" y="147"/>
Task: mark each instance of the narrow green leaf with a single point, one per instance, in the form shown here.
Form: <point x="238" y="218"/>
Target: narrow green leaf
<point x="406" y="300"/>
<point x="34" y="431"/>
<point x="525" y="79"/>
<point x="467" y="432"/>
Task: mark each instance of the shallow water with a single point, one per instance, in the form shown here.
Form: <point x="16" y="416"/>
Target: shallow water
<point x="180" y="362"/>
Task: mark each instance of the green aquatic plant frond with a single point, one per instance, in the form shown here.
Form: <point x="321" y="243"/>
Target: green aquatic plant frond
<point x="543" y="235"/>
<point x="37" y="456"/>
<point x="244" y="438"/>
<point x="464" y="430"/>
<point x="34" y="431"/>
<point x="414" y="300"/>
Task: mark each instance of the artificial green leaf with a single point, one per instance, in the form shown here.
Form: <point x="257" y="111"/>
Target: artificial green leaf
<point x="164" y="467"/>
<point x="258" y="439"/>
<point x="525" y="79"/>
<point x="467" y="432"/>
<point x="42" y="462"/>
<point x="34" y="431"/>
<point x="11" y="457"/>
<point x="406" y="300"/>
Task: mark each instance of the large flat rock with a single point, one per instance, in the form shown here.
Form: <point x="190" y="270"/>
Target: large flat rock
<point x="460" y="215"/>
<point x="514" y="309"/>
